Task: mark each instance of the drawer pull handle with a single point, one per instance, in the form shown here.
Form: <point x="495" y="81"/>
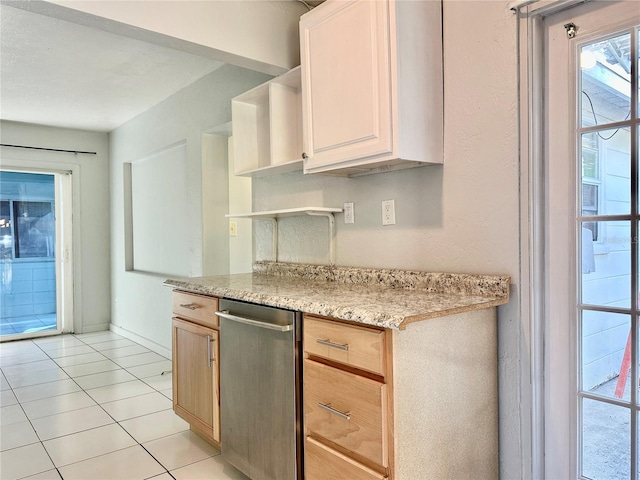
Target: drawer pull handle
<point x="339" y="346"/>
<point x="330" y="409"/>
<point x="190" y="306"/>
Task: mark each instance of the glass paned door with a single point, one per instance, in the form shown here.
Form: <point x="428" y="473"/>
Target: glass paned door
<point x="607" y="235"/>
<point x="29" y="233"/>
<point x="587" y="196"/>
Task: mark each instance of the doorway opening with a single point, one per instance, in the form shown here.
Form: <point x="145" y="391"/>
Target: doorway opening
<point x="606" y="222"/>
<point x="590" y="249"/>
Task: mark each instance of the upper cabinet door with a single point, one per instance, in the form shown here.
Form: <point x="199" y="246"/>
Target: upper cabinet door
<point x="372" y="85"/>
<point x="347" y="103"/>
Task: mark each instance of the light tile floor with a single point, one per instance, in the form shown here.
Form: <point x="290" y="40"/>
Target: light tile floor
<point x="95" y="406"/>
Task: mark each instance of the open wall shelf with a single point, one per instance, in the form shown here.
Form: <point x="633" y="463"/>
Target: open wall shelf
<point x="274" y="215"/>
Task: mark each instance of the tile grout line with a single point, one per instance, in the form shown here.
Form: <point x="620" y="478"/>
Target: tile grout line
<point x="118" y="423"/>
<point x="120" y="367"/>
<point x="32" y="427"/>
<point x="83" y="390"/>
<point x="97" y="404"/>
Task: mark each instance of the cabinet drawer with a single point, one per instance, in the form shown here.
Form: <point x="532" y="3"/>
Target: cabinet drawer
<point x="324" y="463"/>
<point x="359" y="347"/>
<point x="346" y="409"/>
<point x="198" y="308"/>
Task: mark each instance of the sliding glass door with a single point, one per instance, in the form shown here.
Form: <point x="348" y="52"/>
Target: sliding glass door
<point x="32" y="242"/>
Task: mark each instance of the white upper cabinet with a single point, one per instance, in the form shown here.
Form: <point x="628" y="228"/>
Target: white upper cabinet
<point x="372" y="85"/>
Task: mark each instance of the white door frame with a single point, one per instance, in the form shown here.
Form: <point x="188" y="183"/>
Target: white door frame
<point x="64" y="250"/>
<point x="533" y="218"/>
<point x="533" y="238"/>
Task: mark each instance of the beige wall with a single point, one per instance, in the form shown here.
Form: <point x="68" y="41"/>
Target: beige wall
<point x="461" y="217"/>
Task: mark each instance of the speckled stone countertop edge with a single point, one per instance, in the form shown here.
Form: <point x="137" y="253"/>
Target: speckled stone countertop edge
<point x="371" y="303"/>
<point x="325" y="309"/>
<point x="489" y="303"/>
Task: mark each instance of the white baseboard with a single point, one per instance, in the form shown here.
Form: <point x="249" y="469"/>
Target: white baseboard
<point x="98" y="327"/>
<point x="145" y="342"/>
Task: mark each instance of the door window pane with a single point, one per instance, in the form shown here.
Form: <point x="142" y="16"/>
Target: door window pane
<point x="606" y="264"/>
<point x="606" y="354"/>
<point x="606" y="81"/>
<point x="35" y="229"/>
<point x="606" y="173"/>
<point x="606" y="441"/>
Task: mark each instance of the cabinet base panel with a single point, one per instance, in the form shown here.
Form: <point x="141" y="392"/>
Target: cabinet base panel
<point x="204" y="433"/>
<point x="204" y="436"/>
<point x="446" y="398"/>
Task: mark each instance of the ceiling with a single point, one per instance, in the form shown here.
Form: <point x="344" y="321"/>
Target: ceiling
<point x="53" y="72"/>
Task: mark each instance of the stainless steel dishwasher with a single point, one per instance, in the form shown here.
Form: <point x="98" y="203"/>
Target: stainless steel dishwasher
<point x="260" y="390"/>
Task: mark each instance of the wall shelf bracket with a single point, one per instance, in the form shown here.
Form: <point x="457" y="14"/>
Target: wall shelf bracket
<point x="332" y="233"/>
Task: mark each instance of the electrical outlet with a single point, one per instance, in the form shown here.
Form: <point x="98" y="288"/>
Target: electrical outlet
<point x="388" y="212"/>
<point x="349" y="214"/>
<point x="233" y="228"/>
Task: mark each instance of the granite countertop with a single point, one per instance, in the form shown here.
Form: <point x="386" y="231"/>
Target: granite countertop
<point x="386" y="298"/>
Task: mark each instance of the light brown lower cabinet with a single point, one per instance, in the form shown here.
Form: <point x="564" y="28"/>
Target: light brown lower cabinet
<point x="419" y="403"/>
<point x="346" y="404"/>
<point x="378" y="403"/>
<point x="196" y="385"/>
<point x="346" y="409"/>
<point x="328" y="464"/>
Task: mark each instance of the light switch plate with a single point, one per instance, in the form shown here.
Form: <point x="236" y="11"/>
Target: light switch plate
<point x="349" y="214"/>
<point x="233" y="228"/>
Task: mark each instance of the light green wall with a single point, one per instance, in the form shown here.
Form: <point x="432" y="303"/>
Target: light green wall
<point x="141" y="305"/>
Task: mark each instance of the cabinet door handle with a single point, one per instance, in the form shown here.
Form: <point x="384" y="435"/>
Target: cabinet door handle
<point x="328" y="343"/>
<point x="190" y="306"/>
<point x="209" y="340"/>
<point x="304" y="156"/>
<point x="330" y="409"/>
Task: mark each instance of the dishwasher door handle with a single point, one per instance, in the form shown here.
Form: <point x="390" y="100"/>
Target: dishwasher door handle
<point x="255" y="323"/>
